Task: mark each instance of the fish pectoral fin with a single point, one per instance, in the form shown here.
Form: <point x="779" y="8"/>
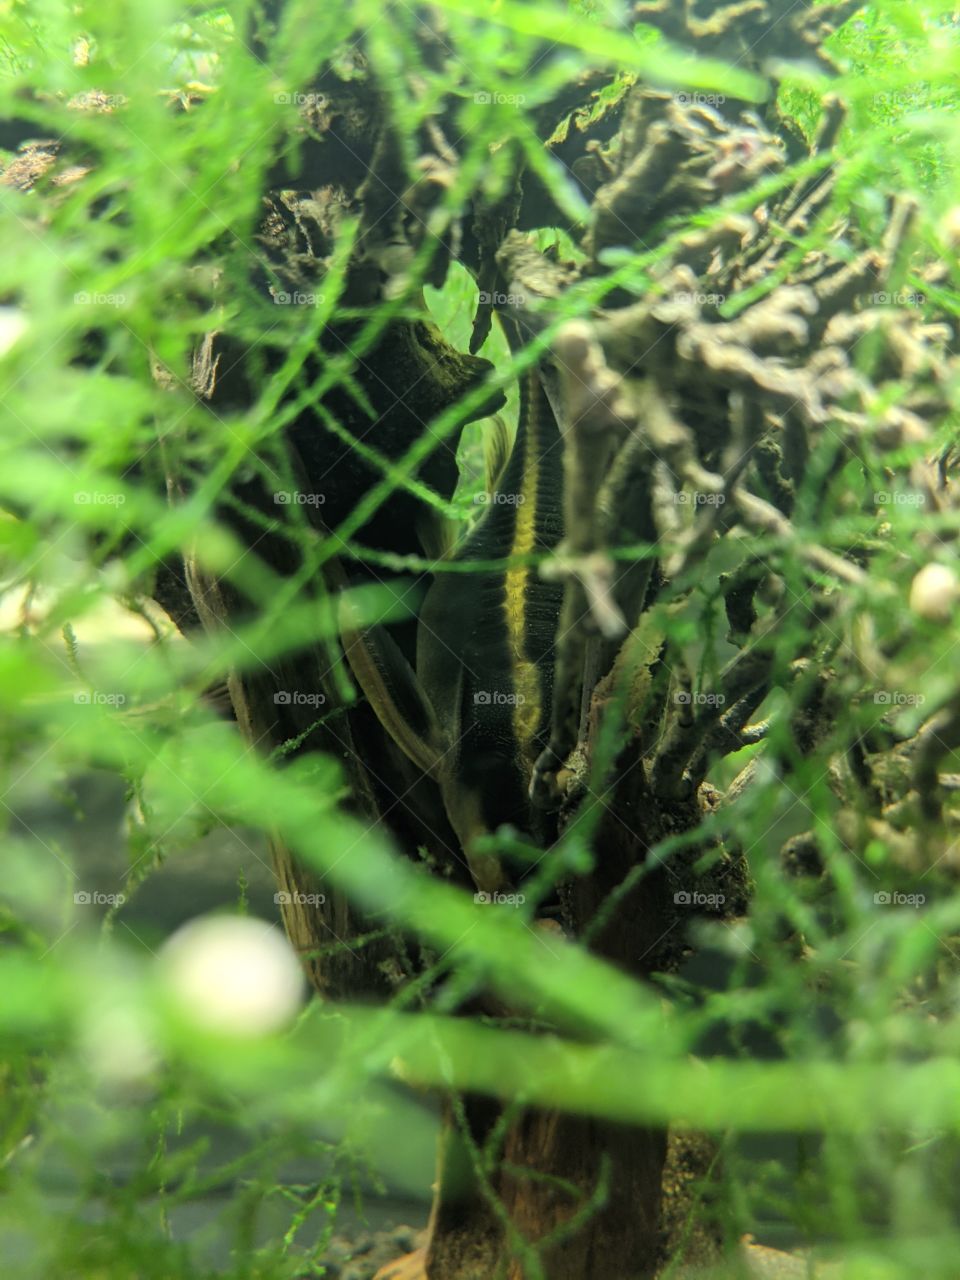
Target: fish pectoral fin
<point x="391" y="687"/>
<point x="497" y="444"/>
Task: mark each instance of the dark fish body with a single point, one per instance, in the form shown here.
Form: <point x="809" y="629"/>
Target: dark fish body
<point x="486" y="639"/>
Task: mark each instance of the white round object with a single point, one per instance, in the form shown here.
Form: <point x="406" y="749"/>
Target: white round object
<point x="933" y="592"/>
<point x="13" y="325"/>
<point x="233" y="974"/>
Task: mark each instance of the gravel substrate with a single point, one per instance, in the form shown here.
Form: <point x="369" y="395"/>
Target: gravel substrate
<point x="360" y="1256"/>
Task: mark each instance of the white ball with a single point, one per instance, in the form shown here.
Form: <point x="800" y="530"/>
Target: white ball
<point x="933" y="592"/>
<point x="13" y="325"/>
<point x="233" y="974"/>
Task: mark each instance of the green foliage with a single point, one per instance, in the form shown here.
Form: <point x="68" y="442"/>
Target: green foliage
<point x="850" y="1056"/>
